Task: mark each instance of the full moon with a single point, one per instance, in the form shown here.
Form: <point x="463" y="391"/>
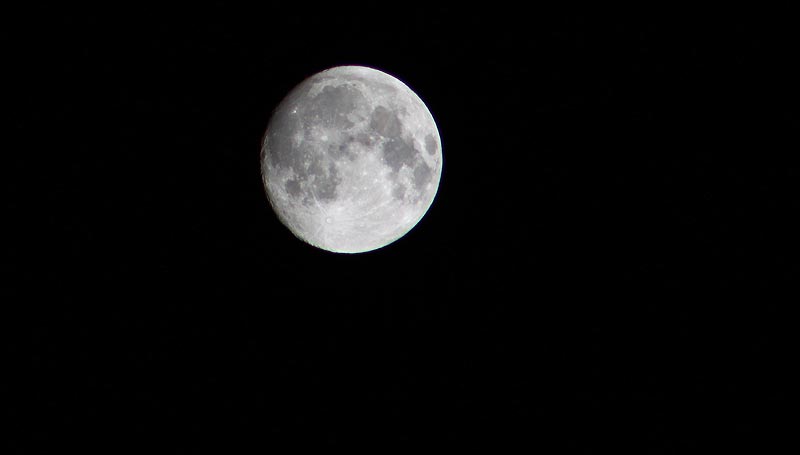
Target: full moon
<point x="351" y="159"/>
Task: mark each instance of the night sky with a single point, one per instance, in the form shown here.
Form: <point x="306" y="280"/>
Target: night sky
<point x="607" y="264"/>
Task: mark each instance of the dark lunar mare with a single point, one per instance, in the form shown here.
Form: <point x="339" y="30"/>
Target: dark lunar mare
<point x="296" y="116"/>
<point x="332" y="105"/>
<point x="399" y="151"/>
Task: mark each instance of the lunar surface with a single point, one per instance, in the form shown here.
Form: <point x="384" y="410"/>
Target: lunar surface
<point x="351" y="159"/>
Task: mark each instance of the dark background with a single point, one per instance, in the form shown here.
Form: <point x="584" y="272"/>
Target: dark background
<point x="607" y="263"/>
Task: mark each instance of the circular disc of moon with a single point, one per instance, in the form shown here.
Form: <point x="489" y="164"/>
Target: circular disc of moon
<point x="351" y="159"/>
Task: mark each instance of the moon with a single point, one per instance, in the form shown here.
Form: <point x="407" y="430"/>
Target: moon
<point x="351" y="159"/>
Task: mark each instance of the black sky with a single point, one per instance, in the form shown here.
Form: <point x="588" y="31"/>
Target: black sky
<point x="607" y="264"/>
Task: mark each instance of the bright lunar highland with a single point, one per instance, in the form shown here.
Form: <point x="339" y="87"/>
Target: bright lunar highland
<point x="351" y="159"/>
